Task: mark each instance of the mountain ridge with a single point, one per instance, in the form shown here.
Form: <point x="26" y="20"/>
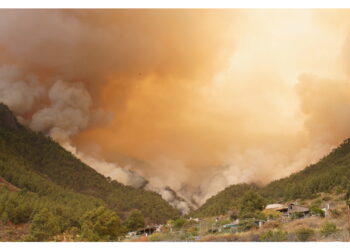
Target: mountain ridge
<point x="43" y="157"/>
<point x="331" y="173"/>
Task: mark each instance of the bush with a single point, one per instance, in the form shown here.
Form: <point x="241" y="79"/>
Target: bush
<point x="160" y="237"/>
<point x="178" y="223"/>
<point x="4" y="218"/>
<point x="304" y="234"/>
<point x="317" y="211"/>
<point x="44" y="225"/>
<point x="101" y="224"/>
<point x="251" y="203"/>
<point x="328" y="228"/>
<point x="271" y="214"/>
<point x="135" y="221"/>
<point x="274" y="235"/>
<point x="247" y="225"/>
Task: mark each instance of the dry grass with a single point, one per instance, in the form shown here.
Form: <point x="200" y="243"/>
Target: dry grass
<point x="11" y="232"/>
<point x="274" y="224"/>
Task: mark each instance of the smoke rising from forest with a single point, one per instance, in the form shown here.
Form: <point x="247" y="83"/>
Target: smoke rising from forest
<point x="183" y="100"/>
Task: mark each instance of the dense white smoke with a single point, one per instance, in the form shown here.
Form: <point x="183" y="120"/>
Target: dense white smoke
<point x="20" y="93"/>
<point x="68" y="113"/>
<point x="109" y="169"/>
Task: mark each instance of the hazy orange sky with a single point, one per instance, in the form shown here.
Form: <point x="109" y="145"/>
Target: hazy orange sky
<point x="207" y="98"/>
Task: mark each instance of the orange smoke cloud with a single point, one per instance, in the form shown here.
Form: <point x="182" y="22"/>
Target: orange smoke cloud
<point x="201" y="98"/>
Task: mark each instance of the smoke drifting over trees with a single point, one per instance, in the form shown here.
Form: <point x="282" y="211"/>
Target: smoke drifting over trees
<point x="207" y="98"/>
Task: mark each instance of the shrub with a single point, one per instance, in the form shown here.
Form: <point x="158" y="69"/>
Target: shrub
<point x="274" y="235"/>
<point x="178" y="223"/>
<point x="247" y="225"/>
<point x="4" y="218"/>
<point x="44" y="225"/>
<point x="250" y="203"/>
<point x="193" y="231"/>
<point x="160" y="237"/>
<point x="135" y="221"/>
<point x="304" y="234"/>
<point x="101" y="224"/>
<point x="317" y="211"/>
<point x="328" y="228"/>
<point x="271" y="214"/>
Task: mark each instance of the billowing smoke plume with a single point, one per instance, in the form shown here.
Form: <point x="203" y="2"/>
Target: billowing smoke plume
<point x="68" y="111"/>
<point x="18" y="92"/>
<point x="202" y="98"/>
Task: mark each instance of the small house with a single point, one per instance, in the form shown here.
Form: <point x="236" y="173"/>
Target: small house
<point x="146" y="231"/>
<point x="290" y="209"/>
<point x="299" y="211"/>
<point x="278" y="207"/>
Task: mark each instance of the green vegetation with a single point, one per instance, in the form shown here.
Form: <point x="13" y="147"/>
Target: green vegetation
<point x="274" y="235"/>
<point x="347" y="196"/>
<point x="101" y="224"/>
<point x="44" y="225"/>
<point x="271" y="214"/>
<point x="250" y="205"/>
<point x="34" y="162"/>
<point x="135" y="221"/>
<point x="178" y="223"/>
<point x="224" y="202"/>
<point x="328" y="228"/>
<point x="317" y="211"/>
<point x="330" y="174"/>
<point x="304" y="234"/>
<point x="56" y="193"/>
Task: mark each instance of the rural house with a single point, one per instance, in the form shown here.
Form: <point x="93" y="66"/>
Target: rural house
<point x="290" y="209"/>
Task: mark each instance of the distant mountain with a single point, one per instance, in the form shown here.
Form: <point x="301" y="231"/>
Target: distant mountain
<point x="222" y="202"/>
<point x="47" y="173"/>
<point x="332" y="173"/>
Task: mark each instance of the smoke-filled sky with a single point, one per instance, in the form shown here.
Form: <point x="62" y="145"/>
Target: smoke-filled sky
<point x="191" y="99"/>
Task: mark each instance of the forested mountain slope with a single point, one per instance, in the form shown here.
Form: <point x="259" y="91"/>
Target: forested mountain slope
<point x="222" y="202"/>
<point x="45" y="172"/>
<point x="332" y="173"/>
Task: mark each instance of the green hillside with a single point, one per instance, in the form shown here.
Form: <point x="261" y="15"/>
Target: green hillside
<point x="222" y="202"/>
<point x="332" y="173"/>
<point x="48" y="176"/>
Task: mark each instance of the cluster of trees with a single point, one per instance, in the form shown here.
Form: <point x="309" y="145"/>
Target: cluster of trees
<point x="49" y="217"/>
